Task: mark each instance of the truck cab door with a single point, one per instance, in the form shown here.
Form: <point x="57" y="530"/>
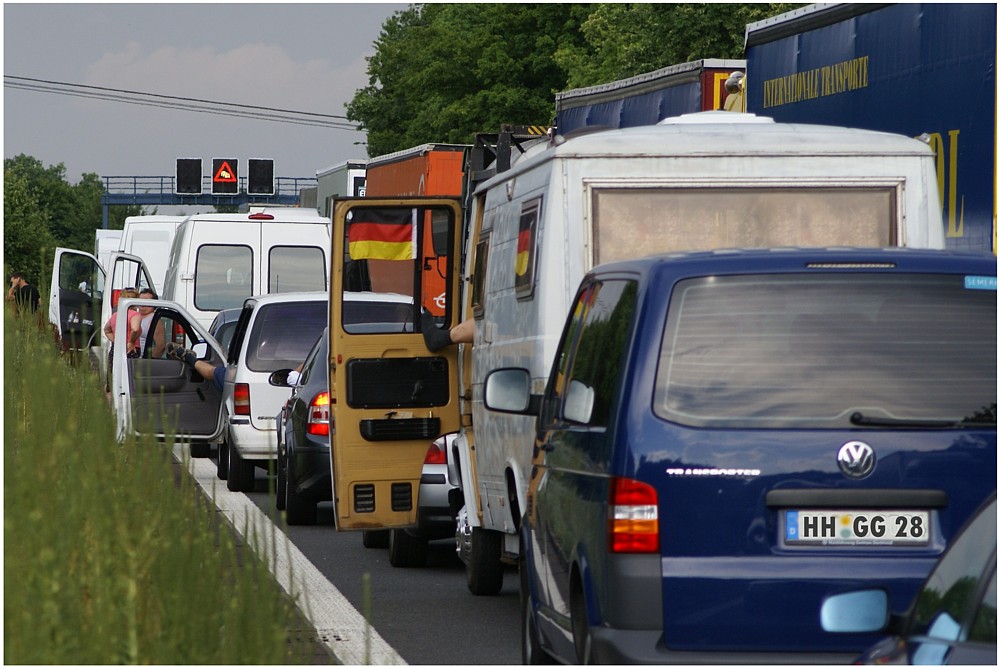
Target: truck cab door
<point x="390" y="397"/>
<point x="123" y="271"/>
<point x="161" y="397"/>
<point x="76" y="290"/>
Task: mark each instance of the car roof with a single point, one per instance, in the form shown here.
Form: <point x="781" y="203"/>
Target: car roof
<point x="305" y="296"/>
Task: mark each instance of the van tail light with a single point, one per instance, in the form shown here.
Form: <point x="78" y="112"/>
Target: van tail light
<point x="261" y="217"/>
<point x="318" y="422"/>
<point x="241" y="399"/>
<point x="633" y="522"/>
<point x="178" y="334"/>
<point x="435" y="455"/>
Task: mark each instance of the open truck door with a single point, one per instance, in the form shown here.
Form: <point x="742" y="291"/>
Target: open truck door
<point x="390" y="397"/>
<point x="76" y="290"/>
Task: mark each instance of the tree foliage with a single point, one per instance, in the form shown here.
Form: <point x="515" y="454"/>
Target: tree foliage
<point x="42" y="210"/>
<point x="443" y="72"/>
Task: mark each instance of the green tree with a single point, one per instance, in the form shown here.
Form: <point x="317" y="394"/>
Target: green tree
<point x="442" y="72"/>
<point x="626" y="39"/>
<point x="27" y="242"/>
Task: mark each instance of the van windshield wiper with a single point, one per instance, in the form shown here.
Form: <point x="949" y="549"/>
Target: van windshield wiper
<point x="858" y="418"/>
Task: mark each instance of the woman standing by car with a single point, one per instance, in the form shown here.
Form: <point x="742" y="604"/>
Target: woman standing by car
<point x="109" y="331"/>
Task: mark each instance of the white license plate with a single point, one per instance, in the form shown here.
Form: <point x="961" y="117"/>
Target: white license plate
<point x="857" y="527"/>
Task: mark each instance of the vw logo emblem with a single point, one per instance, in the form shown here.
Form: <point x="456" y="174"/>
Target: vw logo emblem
<point x="856" y="459"/>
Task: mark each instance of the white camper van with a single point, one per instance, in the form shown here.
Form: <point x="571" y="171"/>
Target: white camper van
<point x="712" y="180"/>
<point x="218" y="260"/>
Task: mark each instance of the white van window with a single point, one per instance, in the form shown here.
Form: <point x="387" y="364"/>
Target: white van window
<point x="296" y="268"/>
<point x="223" y="276"/>
<point x="636" y="222"/>
<point x="828" y="351"/>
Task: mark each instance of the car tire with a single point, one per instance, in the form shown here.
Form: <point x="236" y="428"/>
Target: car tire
<point x="406" y="550"/>
<point x="222" y="463"/>
<point x="298" y="510"/>
<point x="531" y="647"/>
<point x="375" y="538"/>
<point x="241" y="472"/>
<point x="201" y="449"/>
<point x="280" y="483"/>
<point x="484" y="571"/>
<point x="580" y="626"/>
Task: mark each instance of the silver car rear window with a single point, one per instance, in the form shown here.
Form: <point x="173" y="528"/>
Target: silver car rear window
<point x="766" y="351"/>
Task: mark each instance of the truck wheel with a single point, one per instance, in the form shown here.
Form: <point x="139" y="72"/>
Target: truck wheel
<point x="222" y="464"/>
<point x="298" y="511"/>
<point x="531" y="648"/>
<point x="484" y="571"/>
<point x="201" y="449"/>
<point x="375" y="538"/>
<point x="406" y="550"/>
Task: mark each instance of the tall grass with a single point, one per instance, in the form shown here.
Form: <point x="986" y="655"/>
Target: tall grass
<point x="108" y="558"/>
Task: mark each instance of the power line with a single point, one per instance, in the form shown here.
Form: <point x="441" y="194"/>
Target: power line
<point x="180" y="103"/>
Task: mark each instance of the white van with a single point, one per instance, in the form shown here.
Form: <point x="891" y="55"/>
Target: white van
<point x="150" y="238"/>
<point x="711" y="180"/>
<point x="218" y="260"/>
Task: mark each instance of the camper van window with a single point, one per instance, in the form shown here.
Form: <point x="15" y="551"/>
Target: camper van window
<point x="524" y="260"/>
<point x="634" y="222"/>
<point x="223" y="276"/>
<point x="479" y="275"/>
<point x="296" y="268"/>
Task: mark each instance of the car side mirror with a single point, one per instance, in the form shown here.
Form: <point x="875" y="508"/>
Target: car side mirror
<point x="280" y="378"/>
<point x="579" y="405"/>
<point x="200" y="350"/>
<point x="855" y="612"/>
<point x="508" y="390"/>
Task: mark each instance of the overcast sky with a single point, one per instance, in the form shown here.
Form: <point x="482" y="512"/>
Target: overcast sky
<point x="303" y="57"/>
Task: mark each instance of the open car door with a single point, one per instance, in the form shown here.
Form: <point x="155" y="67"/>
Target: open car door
<point x="162" y="397"/>
<point x="123" y="271"/>
<point x="390" y="397"/>
<point x="75" y="294"/>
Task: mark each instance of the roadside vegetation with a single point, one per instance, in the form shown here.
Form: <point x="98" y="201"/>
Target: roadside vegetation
<point x="110" y="556"/>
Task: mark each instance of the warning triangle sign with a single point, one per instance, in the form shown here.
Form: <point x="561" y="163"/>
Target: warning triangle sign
<point x="225" y="173"/>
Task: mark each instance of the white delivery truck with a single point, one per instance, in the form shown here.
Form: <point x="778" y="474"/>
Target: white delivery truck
<point x="711" y="180"/>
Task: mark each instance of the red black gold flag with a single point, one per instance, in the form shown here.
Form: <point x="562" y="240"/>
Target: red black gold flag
<point x="381" y="234"/>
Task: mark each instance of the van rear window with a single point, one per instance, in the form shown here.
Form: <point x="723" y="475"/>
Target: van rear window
<point x="813" y="351"/>
<point x="223" y="276"/>
<point x="296" y="268"/>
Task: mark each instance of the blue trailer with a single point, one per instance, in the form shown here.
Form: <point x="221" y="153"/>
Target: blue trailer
<point x="912" y="69"/>
<point x="647" y="98"/>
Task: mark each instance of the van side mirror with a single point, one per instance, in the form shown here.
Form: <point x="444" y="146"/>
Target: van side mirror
<point x="508" y="390"/>
<point x="579" y="404"/>
<point x="855" y="612"/>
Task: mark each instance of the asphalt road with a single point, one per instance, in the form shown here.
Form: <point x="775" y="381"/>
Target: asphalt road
<point x="427" y="614"/>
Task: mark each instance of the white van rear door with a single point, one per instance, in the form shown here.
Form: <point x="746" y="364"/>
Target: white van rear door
<point x="162" y="397"/>
<point x="222" y="267"/>
<point x="294" y="257"/>
<point x="75" y="292"/>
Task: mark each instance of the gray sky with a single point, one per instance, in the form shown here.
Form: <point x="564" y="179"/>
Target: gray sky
<point x="303" y="57"/>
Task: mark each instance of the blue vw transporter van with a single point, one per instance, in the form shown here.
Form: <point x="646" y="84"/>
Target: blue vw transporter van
<point x="728" y="437"/>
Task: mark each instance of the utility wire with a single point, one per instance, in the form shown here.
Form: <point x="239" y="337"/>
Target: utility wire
<point x="180" y="103"/>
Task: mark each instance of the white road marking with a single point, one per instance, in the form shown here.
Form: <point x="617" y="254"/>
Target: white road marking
<point x="338" y="625"/>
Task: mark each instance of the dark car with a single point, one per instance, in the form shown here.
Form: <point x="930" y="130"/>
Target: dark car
<point x="728" y="438"/>
<point x="954" y="617"/>
<point x="303" y="468"/>
<point x="224" y="325"/>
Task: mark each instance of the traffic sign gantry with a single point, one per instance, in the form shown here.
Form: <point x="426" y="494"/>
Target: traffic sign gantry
<point x="225" y="180"/>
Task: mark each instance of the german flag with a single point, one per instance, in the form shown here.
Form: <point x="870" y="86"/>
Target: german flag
<point x="381" y="234"/>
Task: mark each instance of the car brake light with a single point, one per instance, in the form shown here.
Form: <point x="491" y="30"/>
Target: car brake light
<point x="633" y="517"/>
<point x="178" y="334"/>
<point x="318" y="422"/>
<point x="435" y="455"/>
<point x="261" y="217"/>
<point x="241" y="399"/>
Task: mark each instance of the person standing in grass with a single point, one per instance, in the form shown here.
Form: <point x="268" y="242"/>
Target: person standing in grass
<point x="23" y="294"/>
<point x="134" y="318"/>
